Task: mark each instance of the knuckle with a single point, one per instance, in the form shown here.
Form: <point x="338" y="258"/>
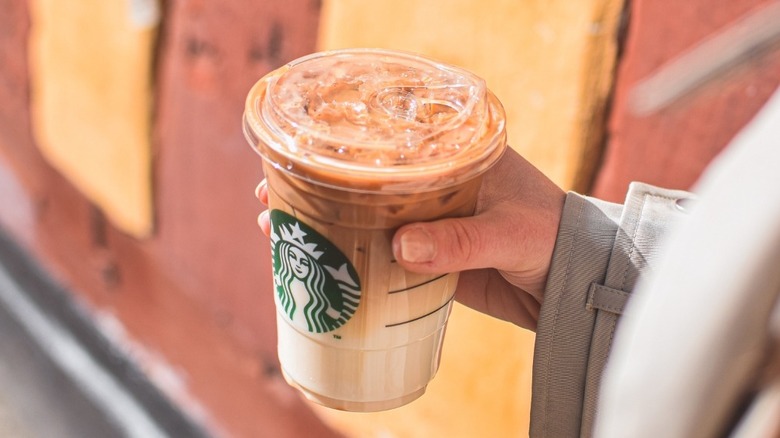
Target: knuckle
<point x="466" y="243"/>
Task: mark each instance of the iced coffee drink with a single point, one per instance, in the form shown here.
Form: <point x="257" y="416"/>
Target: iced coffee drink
<point x="356" y="143"/>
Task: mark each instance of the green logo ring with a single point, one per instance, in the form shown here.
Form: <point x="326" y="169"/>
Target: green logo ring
<point x="316" y="285"/>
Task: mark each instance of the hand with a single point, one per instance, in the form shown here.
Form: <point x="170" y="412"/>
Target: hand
<point x="504" y="250"/>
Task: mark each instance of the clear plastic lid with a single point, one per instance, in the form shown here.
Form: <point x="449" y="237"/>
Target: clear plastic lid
<point x="380" y="120"/>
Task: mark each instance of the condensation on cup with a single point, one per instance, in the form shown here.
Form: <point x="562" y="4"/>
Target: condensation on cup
<point x="356" y="143"/>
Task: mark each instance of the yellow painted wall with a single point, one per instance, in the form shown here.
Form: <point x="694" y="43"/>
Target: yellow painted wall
<point x="550" y="62"/>
<point x="90" y="66"/>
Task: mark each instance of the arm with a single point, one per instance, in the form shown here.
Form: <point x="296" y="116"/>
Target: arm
<point x="602" y="250"/>
<point x="561" y="264"/>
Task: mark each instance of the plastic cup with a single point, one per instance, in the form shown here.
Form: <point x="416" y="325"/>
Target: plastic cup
<point x="356" y="143"/>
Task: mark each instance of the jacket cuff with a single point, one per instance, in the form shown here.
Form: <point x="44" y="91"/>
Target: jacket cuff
<point x="601" y="250"/>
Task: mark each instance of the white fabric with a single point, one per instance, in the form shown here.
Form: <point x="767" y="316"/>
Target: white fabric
<point x="694" y="335"/>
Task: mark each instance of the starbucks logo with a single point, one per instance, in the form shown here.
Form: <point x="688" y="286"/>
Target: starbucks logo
<point x="317" y="286"/>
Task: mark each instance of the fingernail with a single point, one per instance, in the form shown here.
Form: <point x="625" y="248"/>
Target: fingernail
<point x="264" y="222"/>
<point x="417" y="246"/>
<point x="260" y="189"/>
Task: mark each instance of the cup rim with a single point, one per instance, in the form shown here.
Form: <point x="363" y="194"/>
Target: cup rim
<point x="275" y="146"/>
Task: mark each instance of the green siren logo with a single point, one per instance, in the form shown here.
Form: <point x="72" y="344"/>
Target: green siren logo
<point x="316" y="284"/>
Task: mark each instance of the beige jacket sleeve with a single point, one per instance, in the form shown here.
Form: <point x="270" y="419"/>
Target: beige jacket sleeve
<point x="697" y="353"/>
<point x="601" y="252"/>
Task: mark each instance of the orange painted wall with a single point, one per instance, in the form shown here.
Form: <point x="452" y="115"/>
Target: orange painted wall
<point x="551" y="64"/>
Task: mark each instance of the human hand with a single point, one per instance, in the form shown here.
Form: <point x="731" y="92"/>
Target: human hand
<point x="504" y="250"/>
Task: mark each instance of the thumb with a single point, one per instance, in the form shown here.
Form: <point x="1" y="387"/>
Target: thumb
<point x="447" y="245"/>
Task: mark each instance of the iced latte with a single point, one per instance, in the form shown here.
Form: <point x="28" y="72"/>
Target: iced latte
<point x="356" y="143"/>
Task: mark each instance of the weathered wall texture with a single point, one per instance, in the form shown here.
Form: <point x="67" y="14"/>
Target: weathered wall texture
<point x="672" y="147"/>
<point x="90" y="73"/>
<point x="189" y="302"/>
